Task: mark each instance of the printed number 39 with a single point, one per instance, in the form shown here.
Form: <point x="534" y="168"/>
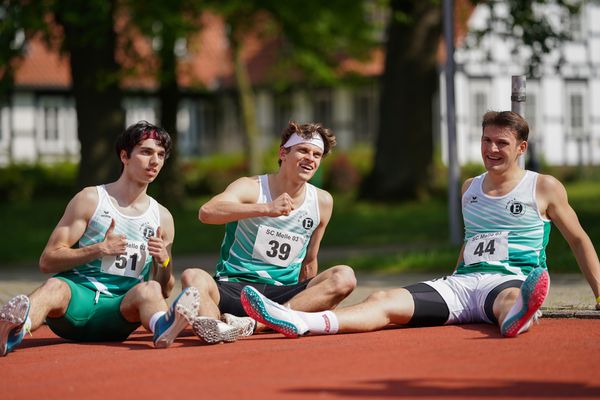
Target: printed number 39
<point x="280" y="250"/>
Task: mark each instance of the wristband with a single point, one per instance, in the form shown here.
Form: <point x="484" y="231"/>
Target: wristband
<point x="165" y="264"/>
<point x="598" y="299"/>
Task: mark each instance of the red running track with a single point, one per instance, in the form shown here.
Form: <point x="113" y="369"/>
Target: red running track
<point x="559" y="358"/>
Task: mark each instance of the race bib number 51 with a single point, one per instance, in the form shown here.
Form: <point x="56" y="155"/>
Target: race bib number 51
<point x="129" y="264"/>
<point x="486" y="247"/>
<point x="277" y="247"/>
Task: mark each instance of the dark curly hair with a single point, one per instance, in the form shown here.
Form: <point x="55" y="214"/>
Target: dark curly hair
<point x="138" y="132"/>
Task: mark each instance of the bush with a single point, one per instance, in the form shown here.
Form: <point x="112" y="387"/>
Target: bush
<point x="21" y="182"/>
<point x="341" y="176"/>
<point x="211" y="175"/>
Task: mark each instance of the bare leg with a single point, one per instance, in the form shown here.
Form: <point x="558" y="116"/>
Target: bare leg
<point x="395" y="306"/>
<point x="326" y="290"/>
<point x="51" y="299"/>
<point x="504" y="302"/>
<point x="142" y="302"/>
<point x="209" y="292"/>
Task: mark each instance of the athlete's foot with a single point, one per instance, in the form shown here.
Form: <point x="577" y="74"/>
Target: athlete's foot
<point x="12" y="320"/>
<point x="526" y="308"/>
<point x="246" y="325"/>
<point x="182" y="312"/>
<point x="274" y="315"/>
<point x="212" y="330"/>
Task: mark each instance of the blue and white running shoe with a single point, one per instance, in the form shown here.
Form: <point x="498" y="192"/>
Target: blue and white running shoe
<point x="533" y="293"/>
<point x="280" y="318"/>
<point x="12" y="320"/>
<point x="182" y="312"/>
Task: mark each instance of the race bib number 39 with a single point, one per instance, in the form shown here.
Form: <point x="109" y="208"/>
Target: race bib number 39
<point x="486" y="247"/>
<point x="129" y="264"/>
<point x="277" y="247"/>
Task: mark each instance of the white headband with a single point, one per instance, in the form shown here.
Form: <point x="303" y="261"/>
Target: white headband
<point x="295" y="139"/>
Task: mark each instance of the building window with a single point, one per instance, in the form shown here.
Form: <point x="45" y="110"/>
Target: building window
<point x="576" y="27"/>
<point x="282" y="113"/>
<point x="576" y="114"/>
<point x="578" y="138"/>
<point x="51" y="132"/>
<point x="479" y="106"/>
<point x="323" y="108"/>
<point x="365" y="115"/>
<point x="206" y="117"/>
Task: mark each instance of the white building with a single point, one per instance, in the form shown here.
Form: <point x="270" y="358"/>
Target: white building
<point x="563" y="109"/>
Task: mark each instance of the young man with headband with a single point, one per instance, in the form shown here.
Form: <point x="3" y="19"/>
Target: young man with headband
<point x="274" y="226"/>
<point x="501" y="275"/>
<point x="108" y="243"/>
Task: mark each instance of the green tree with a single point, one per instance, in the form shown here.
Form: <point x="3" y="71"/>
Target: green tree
<point x="83" y="32"/>
<point x="164" y="24"/>
<point x="312" y="36"/>
<point x="404" y="148"/>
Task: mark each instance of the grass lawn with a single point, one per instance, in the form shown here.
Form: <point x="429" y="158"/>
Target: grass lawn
<point x="396" y="237"/>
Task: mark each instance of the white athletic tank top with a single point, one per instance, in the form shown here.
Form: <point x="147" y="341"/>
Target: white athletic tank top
<point x="117" y="274"/>
<point x="267" y="249"/>
<point x="503" y="234"/>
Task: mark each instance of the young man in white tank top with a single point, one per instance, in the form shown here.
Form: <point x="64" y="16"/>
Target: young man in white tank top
<point x="274" y="226"/>
<point x="111" y="256"/>
<point x="501" y="275"/>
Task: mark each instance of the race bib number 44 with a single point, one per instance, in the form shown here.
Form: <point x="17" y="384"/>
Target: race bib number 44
<point x="277" y="247"/>
<point x="129" y="264"/>
<point x="486" y="247"/>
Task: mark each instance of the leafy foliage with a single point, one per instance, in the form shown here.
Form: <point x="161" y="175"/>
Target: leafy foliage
<point x="533" y="28"/>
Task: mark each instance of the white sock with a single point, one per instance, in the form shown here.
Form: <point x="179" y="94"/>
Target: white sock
<point x="155" y="318"/>
<point x="320" y="323"/>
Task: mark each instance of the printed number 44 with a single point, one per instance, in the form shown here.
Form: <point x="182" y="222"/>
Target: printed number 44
<point x="489" y="248"/>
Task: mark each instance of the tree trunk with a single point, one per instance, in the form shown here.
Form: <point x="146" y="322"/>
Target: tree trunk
<point x="94" y="73"/>
<point x="247" y="102"/>
<point x="404" y="147"/>
<point x="170" y="181"/>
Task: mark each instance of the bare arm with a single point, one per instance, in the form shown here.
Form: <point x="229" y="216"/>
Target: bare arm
<point x="59" y="254"/>
<point x="159" y="247"/>
<point x="552" y="197"/>
<point x="310" y="264"/>
<point x="464" y="188"/>
<point x="239" y="201"/>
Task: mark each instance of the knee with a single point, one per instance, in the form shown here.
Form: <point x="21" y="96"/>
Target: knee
<point x="343" y="279"/>
<point x="148" y="290"/>
<point x="378" y="296"/>
<point x="55" y="285"/>
<point x="196" y="277"/>
<point x="56" y="288"/>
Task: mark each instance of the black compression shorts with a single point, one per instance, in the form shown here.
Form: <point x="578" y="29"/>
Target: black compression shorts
<point x="430" y="307"/>
<point x="230" y="294"/>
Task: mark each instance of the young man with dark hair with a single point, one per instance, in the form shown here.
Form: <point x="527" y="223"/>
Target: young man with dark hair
<point x="104" y="249"/>
<point x="501" y="275"/>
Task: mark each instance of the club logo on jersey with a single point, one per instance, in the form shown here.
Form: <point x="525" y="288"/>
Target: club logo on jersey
<point x="147" y="230"/>
<point x="516" y="208"/>
<point x="307" y="223"/>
